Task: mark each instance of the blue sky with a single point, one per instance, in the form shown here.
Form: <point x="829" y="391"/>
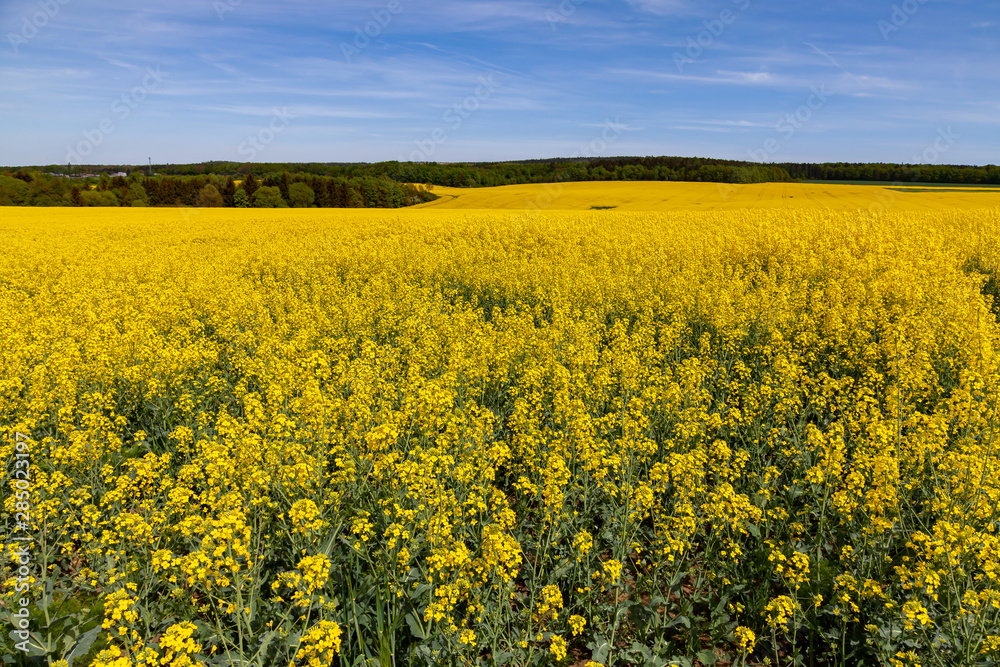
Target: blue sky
<point x="97" y="81"/>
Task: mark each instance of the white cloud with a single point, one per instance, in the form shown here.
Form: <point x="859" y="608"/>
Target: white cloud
<point x="721" y="77"/>
<point x="304" y="112"/>
<point x="731" y="123"/>
<point x="624" y="127"/>
<point x="660" y="6"/>
<point x="747" y="77"/>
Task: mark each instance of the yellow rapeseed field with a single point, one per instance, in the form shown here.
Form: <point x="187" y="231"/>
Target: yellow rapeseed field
<point x="433" y="437"/>
<point x="674" y="196"/>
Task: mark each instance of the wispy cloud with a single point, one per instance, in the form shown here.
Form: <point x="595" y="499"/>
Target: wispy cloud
<point x="731" y="123"/>
<point x="660" y="7"/>
<point x="719" y="77"/>
<point x="624" y="127"/>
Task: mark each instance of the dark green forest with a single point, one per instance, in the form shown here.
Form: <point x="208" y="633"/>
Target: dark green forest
<point x="397" y="184"/>
<point x="300" y="190"/>
<point x="896" y="173"/>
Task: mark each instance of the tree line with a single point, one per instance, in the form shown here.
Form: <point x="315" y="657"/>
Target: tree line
<point x="390" y="184"/>
<point x="491" y="174"/>
<point x="613" y="169"/>
<point x="896" y="173"/>
<point x="35" y="188"/>
<point x="480" y="174"/>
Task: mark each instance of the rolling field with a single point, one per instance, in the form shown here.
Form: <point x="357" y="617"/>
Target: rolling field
<point x="675" y="196"/>
<point x="714" y="425"/>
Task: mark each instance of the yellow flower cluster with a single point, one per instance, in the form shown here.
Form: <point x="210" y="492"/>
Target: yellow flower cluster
<point x="915" y="615"/>
<point x="558" y="648"/>
<point x="550" y="604"/>
<point x="746" y="639"/>
<point x="319" y="645"/>
<point x="305" y="517"/>
<point x="119" y="612"/>
<point x="780" y="610"/>
<point x="177" y="645"/>
<point x="311" y="575"/>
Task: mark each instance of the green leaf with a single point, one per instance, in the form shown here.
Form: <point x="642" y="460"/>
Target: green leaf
<point x="562" y="570"/>
<point x="708" y="657"/>
<point x="36" y="645"/>
<point x="416" y="629"/>
<point x="83" y="644"/>
<point x="640" y="649"/>
<point x="420" y="590"/>
<point x="680" y="619"/>
<point x="502" y="658"/>
<point x="601" y="648"/>
<point x="46" y="600"/>
<point x="56" y="621"/>
<point x="262" y="649"/>
<point x="621" y="612"/>
<point x="721" y="607"/>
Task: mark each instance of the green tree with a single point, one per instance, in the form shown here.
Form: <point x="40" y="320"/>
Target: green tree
<point x="13" y="191"/>
<point x="229" y="192"/>
<point x="240" y="199"/>
<point x="45" y="190"/>
<point x="136" y="193"/>
<point x="354" y="199"/>
<point x="250" y="184"/>
<point x="301" y="195"/>
<point x="283" y="184"/>
<point x="209" y="197"/>
<point x="269" y="197"/>
<point x="98" y="198"/>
